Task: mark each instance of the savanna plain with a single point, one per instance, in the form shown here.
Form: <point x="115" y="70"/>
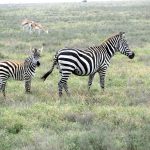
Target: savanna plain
<point x="116" y="119"/>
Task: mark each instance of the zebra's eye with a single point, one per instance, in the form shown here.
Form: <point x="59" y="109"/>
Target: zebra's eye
<point x="125" y="45"/>
<point x="37" y="56"/>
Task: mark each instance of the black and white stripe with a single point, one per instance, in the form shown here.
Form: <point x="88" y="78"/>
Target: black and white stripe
<point x="19" y="71"/>
<point x="89" y="61"/>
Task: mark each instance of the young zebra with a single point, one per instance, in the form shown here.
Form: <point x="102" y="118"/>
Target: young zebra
<point x="19" y="71"/>
<point x="89" y="61"/>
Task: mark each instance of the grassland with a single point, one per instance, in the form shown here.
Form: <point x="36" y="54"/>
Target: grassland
<point x="117" y="119"/>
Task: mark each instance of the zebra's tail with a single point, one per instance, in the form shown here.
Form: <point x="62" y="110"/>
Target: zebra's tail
<point x="51" y="70"/>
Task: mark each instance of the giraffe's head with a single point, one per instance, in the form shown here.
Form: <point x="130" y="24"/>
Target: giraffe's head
<point x="122" y="46"/>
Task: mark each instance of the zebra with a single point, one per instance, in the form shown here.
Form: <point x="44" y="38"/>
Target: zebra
<point x="89" y="61"/>
<point x="19" y="71"/>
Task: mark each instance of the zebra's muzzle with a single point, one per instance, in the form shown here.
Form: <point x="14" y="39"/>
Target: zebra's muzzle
<point x="38" y="63"/>
<point x="132" y="55"/>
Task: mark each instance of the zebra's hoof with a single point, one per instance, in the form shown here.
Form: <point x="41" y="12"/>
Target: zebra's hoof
<point x="28" y="92"/>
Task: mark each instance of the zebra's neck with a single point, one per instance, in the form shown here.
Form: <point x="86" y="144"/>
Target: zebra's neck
<point x="29" y="65"/>
<point x="107" y="47"/>
<point x="27" y="61"/>
<point x="110" y="48"/>
<point x="29" y="68"/>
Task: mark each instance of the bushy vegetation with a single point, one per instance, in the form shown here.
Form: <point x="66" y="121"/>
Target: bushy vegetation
<point x="117" y="119"/>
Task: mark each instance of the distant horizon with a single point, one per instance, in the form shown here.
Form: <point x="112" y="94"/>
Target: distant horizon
<point x="49" y="1"/>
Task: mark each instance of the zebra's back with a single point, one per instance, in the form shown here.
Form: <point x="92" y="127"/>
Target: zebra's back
<point x="11" y="69"/>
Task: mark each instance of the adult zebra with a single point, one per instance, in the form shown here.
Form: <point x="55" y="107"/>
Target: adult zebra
<point x="19" y="71"/>
<point x="89" y="61"/>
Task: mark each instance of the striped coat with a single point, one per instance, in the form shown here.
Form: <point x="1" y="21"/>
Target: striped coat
<point x="89" y="61"/>
<point x="19" y="71"/>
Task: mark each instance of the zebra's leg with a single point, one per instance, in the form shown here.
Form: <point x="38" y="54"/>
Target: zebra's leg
<point x="1" y="82"/>
<point x="27" y="86"/>
<point x="3" y="85"/>
<point x="63" y="83"/>
<point x="60" y="87"/>
<point x="91" y="77"/>
<point x="102" y="74"/>
<point x="3" y="88"/>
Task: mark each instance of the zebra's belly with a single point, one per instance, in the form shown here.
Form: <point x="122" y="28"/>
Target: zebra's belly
<point x="79" y="73"/>
<point x="19" y="79"/>
<point x="18" y="76"/>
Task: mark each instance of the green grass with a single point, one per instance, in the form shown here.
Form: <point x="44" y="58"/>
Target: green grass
<point x="117" y="119"/>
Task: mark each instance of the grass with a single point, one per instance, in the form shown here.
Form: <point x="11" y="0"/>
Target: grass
<point x="117" y="119"/>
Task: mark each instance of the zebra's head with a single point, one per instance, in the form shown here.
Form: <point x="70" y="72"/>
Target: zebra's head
<point x="35" y="57"/>
<point x="122" y="46"/>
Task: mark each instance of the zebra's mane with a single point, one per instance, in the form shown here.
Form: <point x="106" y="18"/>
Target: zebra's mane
<point x="106" y="40"/>
<point x="103" y="43"/>
<point x="28" y="58"/>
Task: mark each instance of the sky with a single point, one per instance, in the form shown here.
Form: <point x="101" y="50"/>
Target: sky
<point x="41" y="1"/>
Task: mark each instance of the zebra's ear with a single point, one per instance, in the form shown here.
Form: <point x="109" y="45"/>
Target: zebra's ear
<point x="34" y="50"/>
<point x="122" y="34"/>
<point x="41" y="49"/>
